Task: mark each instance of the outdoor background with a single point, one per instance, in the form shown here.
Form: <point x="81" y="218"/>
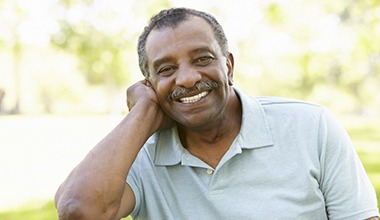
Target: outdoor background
<point x="65" y="66"/>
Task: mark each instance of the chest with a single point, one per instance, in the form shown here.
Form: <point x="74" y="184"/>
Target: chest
<point x="249" y="184"/>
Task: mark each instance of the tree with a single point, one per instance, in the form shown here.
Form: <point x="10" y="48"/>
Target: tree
<point x="102" y="34"/>
<point x="13" y="16"/>
<point x="312" y="46"/>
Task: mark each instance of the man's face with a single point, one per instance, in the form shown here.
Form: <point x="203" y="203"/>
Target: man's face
<point x="182" y="58"/>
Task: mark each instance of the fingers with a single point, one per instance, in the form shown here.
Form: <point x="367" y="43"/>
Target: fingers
<point x="139" y="91"/>
<point x="133" y="87"/>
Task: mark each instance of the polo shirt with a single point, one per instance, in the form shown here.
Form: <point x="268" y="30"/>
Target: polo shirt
<point x="290" y="160"/>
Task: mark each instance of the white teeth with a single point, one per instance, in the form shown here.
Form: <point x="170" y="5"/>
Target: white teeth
<point x="195" y="98"/>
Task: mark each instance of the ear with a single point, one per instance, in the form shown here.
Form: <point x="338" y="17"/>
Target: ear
<point x="150" y="82"/>
<point x="230" y="66"/>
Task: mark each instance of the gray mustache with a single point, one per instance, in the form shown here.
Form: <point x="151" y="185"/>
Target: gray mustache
<point x="200" y="86"/>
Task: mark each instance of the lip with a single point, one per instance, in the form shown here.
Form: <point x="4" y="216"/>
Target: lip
<point x="191" y="96"/>
<point x="195" y="98"/>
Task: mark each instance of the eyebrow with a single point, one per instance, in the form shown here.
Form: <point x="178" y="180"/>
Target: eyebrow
<point x="201" y="50"/>
<point x="160" y="61"/>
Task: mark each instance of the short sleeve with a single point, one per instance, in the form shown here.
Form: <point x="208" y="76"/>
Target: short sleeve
<point x="134" y="181"/>
<point x="346" y="187"/>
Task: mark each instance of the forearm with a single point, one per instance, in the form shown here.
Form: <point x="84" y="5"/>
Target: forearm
<point x="95" y="187"/>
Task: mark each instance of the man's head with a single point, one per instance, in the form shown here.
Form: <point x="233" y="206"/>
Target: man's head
<point x="172" y="18"/>
<point x="189" y="71"/>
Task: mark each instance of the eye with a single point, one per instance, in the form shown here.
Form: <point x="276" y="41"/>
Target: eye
<point x="204" y="60"/>
<point x="166" y="71"/>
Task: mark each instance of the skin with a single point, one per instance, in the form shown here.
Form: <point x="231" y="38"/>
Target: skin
<point x="96" y="188"/>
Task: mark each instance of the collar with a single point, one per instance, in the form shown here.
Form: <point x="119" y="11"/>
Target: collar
<point x="254" y="133"/>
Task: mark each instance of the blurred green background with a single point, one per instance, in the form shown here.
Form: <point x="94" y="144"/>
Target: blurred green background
<point x="65" y="66"/>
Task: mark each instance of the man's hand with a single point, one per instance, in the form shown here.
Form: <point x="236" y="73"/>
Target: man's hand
<point x="143" y="93"/>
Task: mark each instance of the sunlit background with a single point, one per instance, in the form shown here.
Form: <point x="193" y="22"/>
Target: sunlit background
<point x="65" y="66"/>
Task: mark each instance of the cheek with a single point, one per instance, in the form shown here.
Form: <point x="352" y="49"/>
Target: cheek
<point x="224" y="74"/>
<point x="162" y="89"/>
<point x="225" y="78"/>
<point x="162" y="92"/>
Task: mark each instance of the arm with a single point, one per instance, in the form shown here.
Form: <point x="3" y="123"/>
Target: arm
<point x="96" y="188"/>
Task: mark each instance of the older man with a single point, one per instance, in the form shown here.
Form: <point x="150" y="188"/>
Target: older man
<point x="195" y="147"/>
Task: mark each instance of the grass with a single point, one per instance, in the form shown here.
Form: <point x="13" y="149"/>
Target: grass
<point x="366" y="138"/>
<point x="371" y="163"/>
<point x="33" y="211"/>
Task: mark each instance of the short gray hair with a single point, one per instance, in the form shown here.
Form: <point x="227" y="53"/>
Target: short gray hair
<point x="172" y="18"/>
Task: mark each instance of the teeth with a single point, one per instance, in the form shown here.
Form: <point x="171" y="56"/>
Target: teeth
<point x="195" y="98"/>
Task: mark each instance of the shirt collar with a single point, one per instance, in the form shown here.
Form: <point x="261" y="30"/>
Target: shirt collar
<point x="254" y="133"/>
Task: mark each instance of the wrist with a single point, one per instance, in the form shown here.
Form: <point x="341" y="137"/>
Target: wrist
<point x="147" y="115"/>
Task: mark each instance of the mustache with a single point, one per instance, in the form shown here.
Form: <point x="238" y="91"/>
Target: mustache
<point x="198" y="87"/>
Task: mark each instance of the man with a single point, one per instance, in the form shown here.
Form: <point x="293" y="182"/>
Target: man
<point x="194" y="147"/>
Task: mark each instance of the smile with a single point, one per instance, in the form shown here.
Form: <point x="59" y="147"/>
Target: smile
<point x="195" y="98"/>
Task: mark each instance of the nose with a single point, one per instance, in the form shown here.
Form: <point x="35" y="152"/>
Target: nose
<point x="187" y="76"/>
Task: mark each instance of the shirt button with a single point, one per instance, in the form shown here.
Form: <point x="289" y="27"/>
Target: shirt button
<point x="209" y="171"/>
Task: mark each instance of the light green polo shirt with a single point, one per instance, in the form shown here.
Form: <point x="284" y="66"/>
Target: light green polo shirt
<point x="291" y="160"/>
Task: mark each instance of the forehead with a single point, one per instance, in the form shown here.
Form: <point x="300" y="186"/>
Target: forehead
<point x="192" y="32"/>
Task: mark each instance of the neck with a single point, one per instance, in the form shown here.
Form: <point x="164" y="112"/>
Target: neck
<point x="211" y="141"/>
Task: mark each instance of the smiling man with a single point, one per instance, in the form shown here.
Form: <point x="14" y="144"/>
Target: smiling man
<point x="195" y="147"/>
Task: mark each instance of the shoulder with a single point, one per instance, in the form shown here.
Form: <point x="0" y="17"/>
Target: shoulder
<point x="275" y="102"/>
<point x="279" y="109"/>
<point x="289" y="107"/>
<point x="292" y="115"/>
<point x="283" y="102"/>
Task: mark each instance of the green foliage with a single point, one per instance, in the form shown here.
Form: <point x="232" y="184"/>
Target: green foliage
<point x="100" y="54"/>
<point x="298" y="49"/>
<point x="365" y="132"/>
<point x="371" y="163"/>
<point x="33" y="211"/>
<point x="102" y="51"/>
<point x="274" y="14"/>
<point x="367" y="141"/>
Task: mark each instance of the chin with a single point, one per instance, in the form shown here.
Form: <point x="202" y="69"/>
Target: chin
<point x="197" y="123"/>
